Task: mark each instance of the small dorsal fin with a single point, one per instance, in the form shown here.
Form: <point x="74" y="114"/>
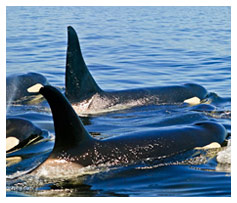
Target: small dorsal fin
<point x="69" y="130"/>
<point x="79" y="82"/>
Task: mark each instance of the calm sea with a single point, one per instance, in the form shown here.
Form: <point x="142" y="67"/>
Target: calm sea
<point x="127" y="47"/>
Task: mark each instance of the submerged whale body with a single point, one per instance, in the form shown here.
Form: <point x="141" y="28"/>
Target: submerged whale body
<point x="88" y="98"/>
<point x="20" y="132"/>
<point x="74" y="145"/>
<point x="17" y="84"/>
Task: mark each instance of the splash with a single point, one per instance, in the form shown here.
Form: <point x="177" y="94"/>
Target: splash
<point x="57" y="169"/>
<point x="224" y="156"/>
<point x="10" y="95"/>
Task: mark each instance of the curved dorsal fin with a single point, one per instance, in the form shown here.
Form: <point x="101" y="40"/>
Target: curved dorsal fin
<point x="69" y="130"/>
<point x="79" y="82"/>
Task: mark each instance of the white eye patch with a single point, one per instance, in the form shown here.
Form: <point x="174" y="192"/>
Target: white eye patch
<point x="193" y="101"/>
<point x="11" y="142"/>
<point x="213" y="145"/>
<point x="35" y="88"/>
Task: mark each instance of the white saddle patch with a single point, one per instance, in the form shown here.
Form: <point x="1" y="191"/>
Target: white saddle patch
<point x="13" y="160"/>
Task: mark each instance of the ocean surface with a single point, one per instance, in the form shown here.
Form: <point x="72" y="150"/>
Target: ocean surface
<point x="124" y="48"/>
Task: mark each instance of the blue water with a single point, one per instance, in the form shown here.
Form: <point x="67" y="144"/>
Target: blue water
<point x="127" y="47"/>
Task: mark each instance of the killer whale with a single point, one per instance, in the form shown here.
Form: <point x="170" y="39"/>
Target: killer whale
<point x="20" y="132"/>
<point x="74" y="145"/>
<point x="88" y="98"/>
<point x="17" y="84"/>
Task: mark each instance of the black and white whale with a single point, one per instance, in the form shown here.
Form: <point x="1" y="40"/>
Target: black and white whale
<point x="20" y="133"/>
<point x="76" y="148"/>
<point x="17" y="84"/>
<point x="88" y="98"/>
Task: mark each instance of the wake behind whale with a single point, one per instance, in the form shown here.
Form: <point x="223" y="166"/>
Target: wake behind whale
<point x="88" y="98"/>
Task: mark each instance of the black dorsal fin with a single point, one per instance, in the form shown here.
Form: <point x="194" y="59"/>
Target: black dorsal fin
<point x="69" y="130"/>
<point x="79" y="82"/>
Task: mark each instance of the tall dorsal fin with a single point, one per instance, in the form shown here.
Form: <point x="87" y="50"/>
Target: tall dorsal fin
<point x="79" y="82"/>
<point x="69" y="130"/>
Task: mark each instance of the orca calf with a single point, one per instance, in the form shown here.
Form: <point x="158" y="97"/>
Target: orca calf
<point x="88" y="98"/>
<point x="17" y="84"/>
<point x="75" y="147"/>
<point x="20" y="132"/>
